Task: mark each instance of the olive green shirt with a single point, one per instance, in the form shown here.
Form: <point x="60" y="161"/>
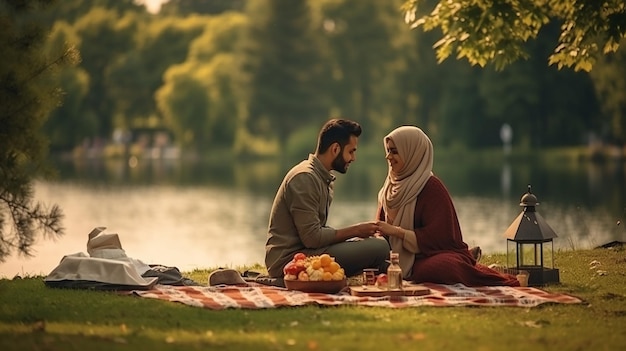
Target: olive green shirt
<point x="298" y="217"/>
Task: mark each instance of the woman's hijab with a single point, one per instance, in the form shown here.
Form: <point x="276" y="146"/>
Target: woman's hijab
<point x="401" y="189"/>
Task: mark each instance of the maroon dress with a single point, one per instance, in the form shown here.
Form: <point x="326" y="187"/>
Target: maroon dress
<point x="444" y="257"/>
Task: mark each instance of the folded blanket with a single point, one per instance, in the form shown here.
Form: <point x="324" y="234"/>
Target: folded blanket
<point x="257" y="296"/>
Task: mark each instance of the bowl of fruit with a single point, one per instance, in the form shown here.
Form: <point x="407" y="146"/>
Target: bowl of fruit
<point x="314" y="274"/>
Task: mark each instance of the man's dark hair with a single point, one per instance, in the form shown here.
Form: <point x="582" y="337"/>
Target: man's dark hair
<point x="339" y="131"/>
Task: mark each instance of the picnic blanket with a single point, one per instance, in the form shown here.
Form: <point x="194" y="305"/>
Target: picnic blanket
<point x="257" y="296"/>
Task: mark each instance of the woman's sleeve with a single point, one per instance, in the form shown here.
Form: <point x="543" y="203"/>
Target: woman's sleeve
<point x="410" y="241"/>
<point x="437" y="225"/>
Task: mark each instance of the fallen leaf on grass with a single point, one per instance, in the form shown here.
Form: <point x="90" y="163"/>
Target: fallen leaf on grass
<point x="594" y="264"/>
<point x="418" y="336"/>
<point x="413" y="336"/>
<point x="535" y="324"/>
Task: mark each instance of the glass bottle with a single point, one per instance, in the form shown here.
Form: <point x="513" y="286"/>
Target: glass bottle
<point x="394" y="272"/>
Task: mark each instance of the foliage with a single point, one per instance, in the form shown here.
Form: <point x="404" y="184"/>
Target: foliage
<point x="198" y="99"/>
<point x="136" y="75"/>
<point x="67" y="125"/>
<point x="114" y="37"/>
<point x="536" y="100"/>
<point x="28" y="93"/>
<point x="281" y="64"/>
<point x="38" y="317"/>
<point x="189" y="7"/>
<point x="610" y="88"/>
<point x="71" y="11"/>
<point x="363" y="60"/>
<point x="485" y="31"/>
<point x="268" y="70"/>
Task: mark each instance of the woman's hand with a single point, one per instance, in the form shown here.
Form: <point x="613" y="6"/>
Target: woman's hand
<point x="387" y="229"/>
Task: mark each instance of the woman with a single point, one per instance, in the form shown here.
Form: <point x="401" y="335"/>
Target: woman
<point x="418" y="218"/>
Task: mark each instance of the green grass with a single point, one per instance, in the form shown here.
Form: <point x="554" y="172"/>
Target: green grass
<point x="34" y="317"/>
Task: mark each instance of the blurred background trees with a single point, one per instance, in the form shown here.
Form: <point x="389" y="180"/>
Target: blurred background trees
<point x="259" y="76"/>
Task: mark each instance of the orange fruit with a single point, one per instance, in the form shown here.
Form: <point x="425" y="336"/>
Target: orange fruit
<point x="338" y="275"/>
<point x="326" y="260"/>
<point x="327" y="276"/>
<point x="316" y="264"/>
<point x="332" y="267"/>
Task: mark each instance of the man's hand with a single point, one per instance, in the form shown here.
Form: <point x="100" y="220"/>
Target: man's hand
<point x="367" y="229"/>
<point x="359" y="230"/>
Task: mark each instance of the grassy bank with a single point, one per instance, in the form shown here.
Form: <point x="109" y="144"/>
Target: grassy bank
<point x="34" y="317"/>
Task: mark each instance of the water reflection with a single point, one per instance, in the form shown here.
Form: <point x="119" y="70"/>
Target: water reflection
<point x="505" y="180"/>
<point x="199" y="215"/>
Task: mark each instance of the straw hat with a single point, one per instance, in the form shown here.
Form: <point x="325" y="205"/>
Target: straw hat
<point x="226" y="276"/>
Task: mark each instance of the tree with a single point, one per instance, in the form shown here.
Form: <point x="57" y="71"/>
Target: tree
<point x="105" y="39"/>
<point x="363" y="60"/>
<point x="67" y="125"/>
<point x="282" y="64"/>
<point x="27" y="95"/>
<point x="544" y="105"/>
<point x="461" y="119"/>
<point x="198" y="98"/>
<point x="185" y="105"/>
<point x="609" y="78"/>
<point x="484" y="31"/>
<point x="134" y="77"/>
<point x="212" y="7"/>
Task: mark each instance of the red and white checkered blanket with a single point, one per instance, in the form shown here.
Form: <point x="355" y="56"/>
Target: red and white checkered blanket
<point x="256" y="296"/>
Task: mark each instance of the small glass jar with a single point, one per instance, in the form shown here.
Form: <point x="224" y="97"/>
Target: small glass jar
<point x="369" y="276"/>
<point x="394" y="272"/>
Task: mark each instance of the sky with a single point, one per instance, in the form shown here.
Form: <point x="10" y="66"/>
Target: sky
<point x="153" y="6"/>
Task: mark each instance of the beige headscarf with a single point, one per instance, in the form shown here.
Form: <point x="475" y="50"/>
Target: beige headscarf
<point x="400" y="191"/>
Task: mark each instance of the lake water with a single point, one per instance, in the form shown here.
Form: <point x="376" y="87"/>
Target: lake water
<point x="192" y="215"/>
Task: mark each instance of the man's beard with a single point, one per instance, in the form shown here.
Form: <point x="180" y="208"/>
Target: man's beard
<point x="339" y="164"/>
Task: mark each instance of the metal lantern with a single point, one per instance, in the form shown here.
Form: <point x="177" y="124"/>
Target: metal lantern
<point x="529" y="233"/>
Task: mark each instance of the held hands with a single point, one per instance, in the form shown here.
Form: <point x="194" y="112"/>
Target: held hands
<point x="367" y="229"/>
<point x="377" y="228"/>
<point x="387" y="229"/>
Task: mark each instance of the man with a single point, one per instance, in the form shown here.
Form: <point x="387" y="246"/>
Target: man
<point x="298" y="217"/>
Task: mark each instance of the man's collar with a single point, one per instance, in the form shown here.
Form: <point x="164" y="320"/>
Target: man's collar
<point x="319" y="167"/>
